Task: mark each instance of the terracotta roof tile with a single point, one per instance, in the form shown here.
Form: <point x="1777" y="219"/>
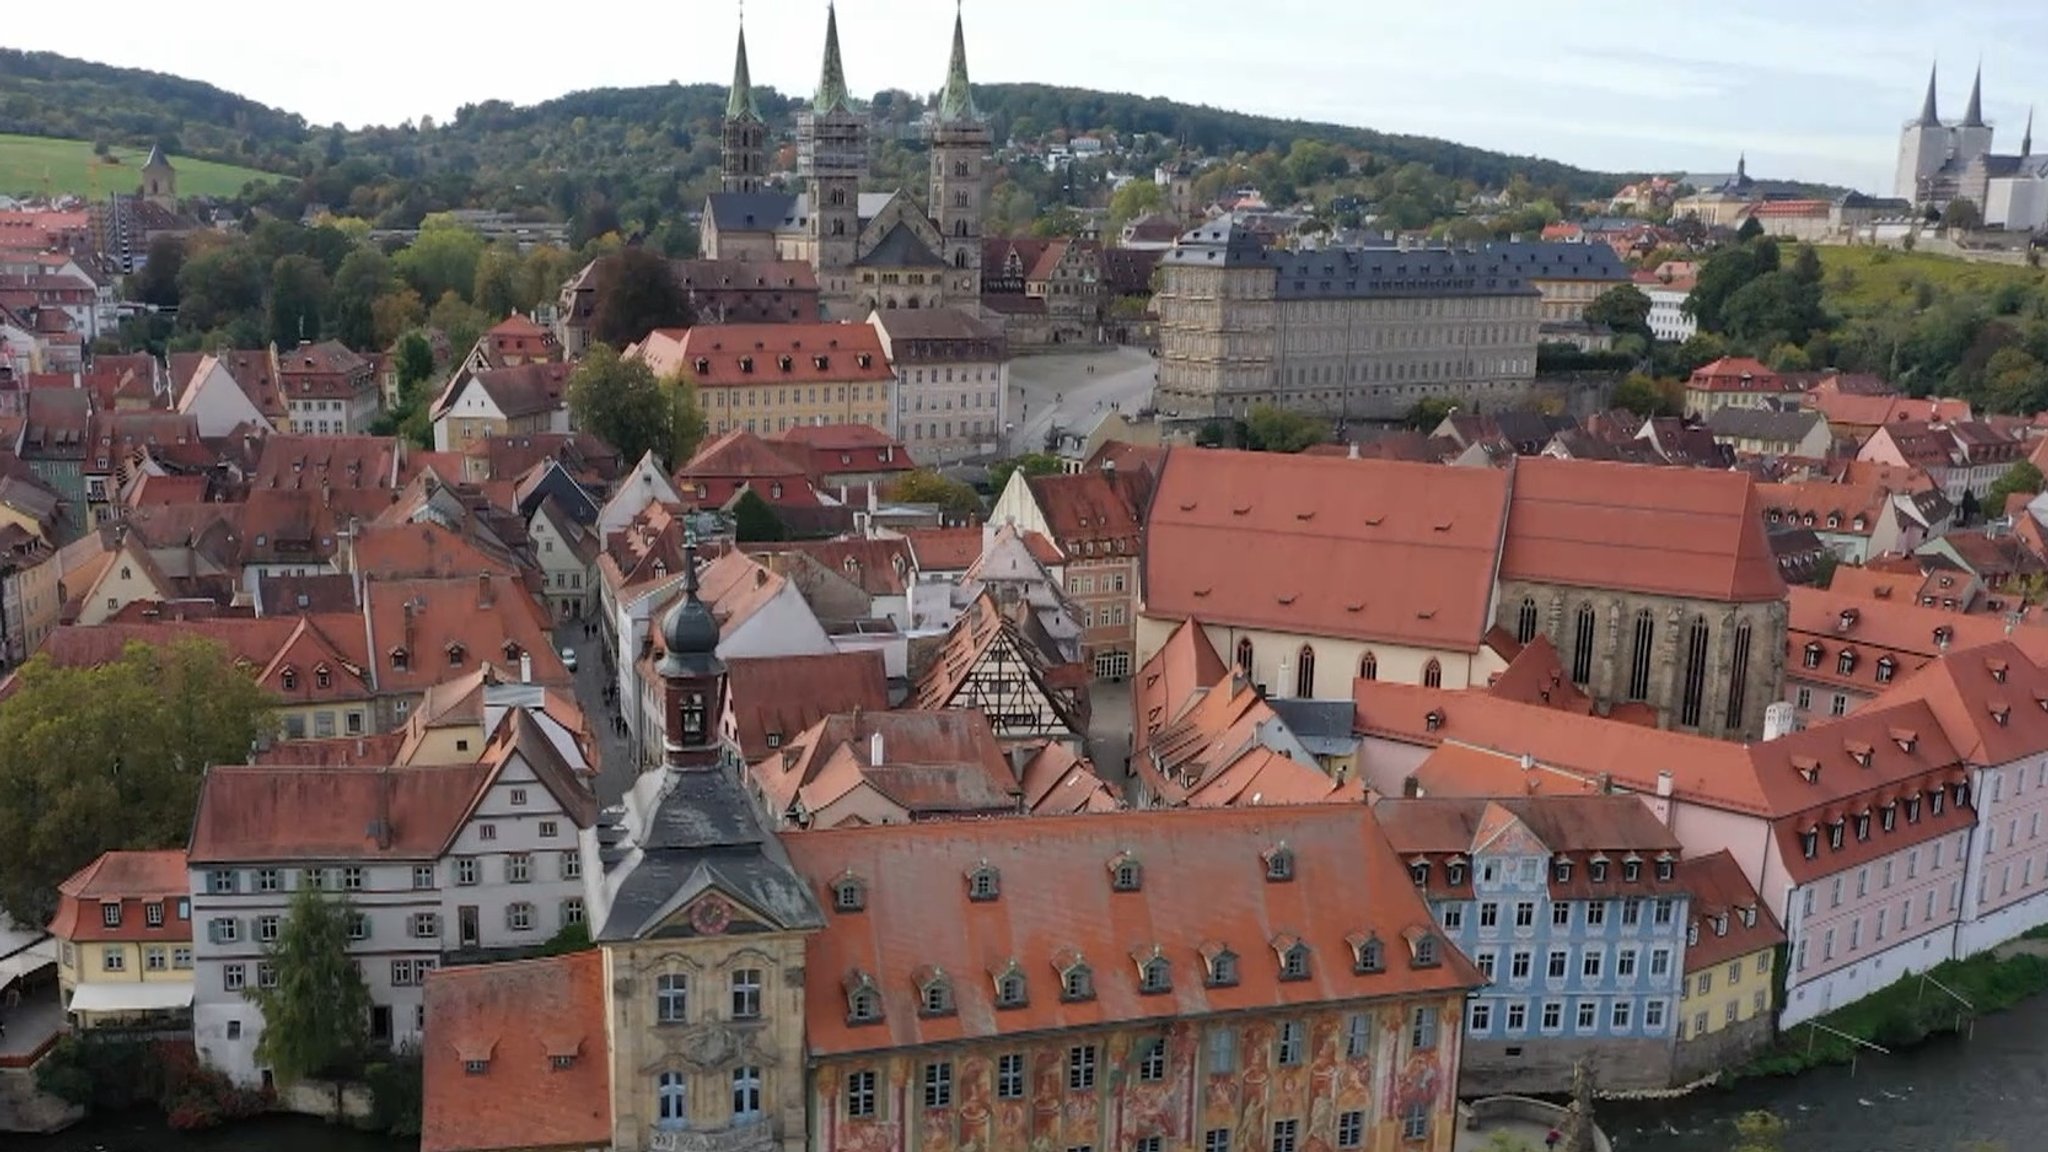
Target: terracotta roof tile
<point x="132" y="880"/>
<point x="1169" y="681"/>
<point x="261" y="812"/>
<point x="539" y="1029"/>
<point x="944" y="549"/>
<point x="1203" y="881"/>
<point x="1726" y="913"/>
<point x="932" y="764"/>
<point x="776" y="698"/>
<point x="1691" y="533"/>
<point x="1824" y="623"/>
<point x="732" y="355"/>
<point x="1093" y="507"/>
<point x="1359" y="549"/>
<point x="1058" y="782"/>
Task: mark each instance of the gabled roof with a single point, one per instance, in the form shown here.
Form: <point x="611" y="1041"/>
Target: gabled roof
<point x="1091" y="508"/>
<point x="1991" y="700"/>
<point x="901" y="247"/>
<point x="1360" y="549"/>
<point x="776" y="698"/>
<point x="732" y="355"/>
<point x="982" y="628"/>
<point x="517" y="1055"/>
<point x="1058" y="782"/>
<point x="1169" y="681"/>
<point x="940" y="550"/>
<point x="1740" y="423"/>
<point x="1730" y="920"/>
<point x="253" y="813"/>
<point x="1202" y="887"/>
<point x="130" y="879"/>
<point x="1691" y="533"/>
<point x="931" y="764"/>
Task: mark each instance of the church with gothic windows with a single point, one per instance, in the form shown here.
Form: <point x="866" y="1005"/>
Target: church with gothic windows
<point x="871" y="250"/>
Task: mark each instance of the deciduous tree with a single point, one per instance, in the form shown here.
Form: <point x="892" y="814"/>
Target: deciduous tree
<point x="316" y="1018"/>
<point x="1271" y="429"/>
<point x="363" y="279"/>
<point x="925" y="486"/>
<point x="111" y="757"/>
<point x="2021" y="478"/>
<point x="298" y="297"/>
<point x="1624" y="308"/>
<point x="753" y="521"/>
<point x="639" y="294"/>
<point x="442" y="259"/>
<point x="622" y="403"/>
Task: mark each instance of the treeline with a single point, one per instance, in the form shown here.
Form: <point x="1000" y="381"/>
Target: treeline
<point x="44" y="94"/>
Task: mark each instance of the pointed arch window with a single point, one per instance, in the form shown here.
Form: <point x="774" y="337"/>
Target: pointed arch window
<point x="1582" y="645"/>
<point x="1368" y="667"/>
<point x="1525" y="621"/>
<point x="1432" y="675"/>
<point x="1642" y="655"/>
<point x="1244" y="655"/>
<point x="1692" y="701"/>
<point x="1738" y="676"/>
<point x="1305" y="673"/>
<point x="959" y="167"/>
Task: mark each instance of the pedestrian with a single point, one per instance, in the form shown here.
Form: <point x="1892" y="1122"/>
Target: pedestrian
<point x="1550" y="1140"/>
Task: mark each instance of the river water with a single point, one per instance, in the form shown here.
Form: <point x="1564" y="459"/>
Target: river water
<point x="1936" y="1098"/>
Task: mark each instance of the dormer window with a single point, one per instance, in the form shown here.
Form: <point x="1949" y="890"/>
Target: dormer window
<point x="456" y="654"/>
<point x="1886" y="667"/>
<point x="475" y="1067"/>
<point x="288" y="680"/>
<point x="849" y="894"/>
<point x="1809" y="843"/>
<point x="1863" y="826"/>
<point x="1368" y="955"/>
<point x="1692" y="934"/>
<point x="1562" y="869"/>
<point x="1631" y="871"/>
<point x="1423" y="951"/>
<point x="935" y="994"/>
<point x="1011" y="991"/>
<point x="1125" y="874"/>
<point x="863" y="1001"/>
<point x="1666" y="868"/>
<point x="1419" y="872"/>
<point x="322" y="678"/>
<point x="1155" y="973"/>
<point x="400" y="659"/>
<point x="746" y="363"/>
<point x="984" y="883"/>
<point x="703" y="365"/>
<point x="1293" y="958"/>
<point x="1721" y="924"/>
<point x="1888" y="816"/>
<point x="1962" y="794"/>
<point x="1435" y="719"/>
<point x="1077" y="982"/>
<point x="1280" y="864"/>
<point x="1219" y="966"/>
<point x="1912" y="809"/>
<point x="1846" y="662"/>
<point x="1835" y="831"/>
<point x="1454" y="873"/>
<point x="1934" y="801"/>
<point x="784" y="363"/>
<point x="1597" y="871"/>
<point x="1813" y="654"/>
<point x="1749" y="915"/>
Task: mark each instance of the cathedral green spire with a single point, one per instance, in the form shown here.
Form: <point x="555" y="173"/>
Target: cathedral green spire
<point x="957" y="103"/>
<point x="740" y="104"/>
<point x="832" y="96"/>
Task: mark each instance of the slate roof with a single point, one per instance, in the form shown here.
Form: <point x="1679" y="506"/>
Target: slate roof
<point x="703" y="834"/>
<point x="751" y="211"/>
<point x="1742" y="423"/>
<point x="901" y="248"/>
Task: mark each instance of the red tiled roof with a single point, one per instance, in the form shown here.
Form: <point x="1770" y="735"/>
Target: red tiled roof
<point x="944" y="549"/>
<point x="446" y="624"/>
<point x="1736" y="374"/>
<point x="932" y="764"/>
<point x="736" y="355"/>
<point x="1165" y="686"/>
<point x="132" y="880"/>
<point x="1361" y="549"/>
<point x="1203" y="884"/>
<point x="740" y="459"/>
<point x="780" y="696"/>
<point x="1909" y="635"/>
<point x="1689" y="532"/>
<point x="1731" y="921"/>
<point x="538" y="1028"/>
<point x="1090" y="508"/>
<point x="1991" y="699"/>
<point x="1058" y="782"/>
<point x="261" y="812"/>
<point x="832" y="449"/>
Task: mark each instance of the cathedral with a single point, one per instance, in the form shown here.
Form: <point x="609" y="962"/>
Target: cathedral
<point x="1942" y="162"/>
<point x="870" y="250"/>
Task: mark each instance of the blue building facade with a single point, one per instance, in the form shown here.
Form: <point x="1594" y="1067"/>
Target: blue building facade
<point x="1572" y="908"/>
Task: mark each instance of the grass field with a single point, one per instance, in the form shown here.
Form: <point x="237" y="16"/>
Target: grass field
<point x="1861" y="281"/>
<point x="27" y="161"/>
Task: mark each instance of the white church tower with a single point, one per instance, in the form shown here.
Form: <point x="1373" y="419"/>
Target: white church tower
<point x="1925" y="144"/>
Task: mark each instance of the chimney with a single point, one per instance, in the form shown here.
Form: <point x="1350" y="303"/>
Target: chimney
<point x="875" y="749"/>
<point x="526" y="667"/>
<point x="1664" y="783"/>
<point x="1605" y="784"/>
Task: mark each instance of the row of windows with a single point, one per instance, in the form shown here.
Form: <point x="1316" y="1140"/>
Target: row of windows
<point x="1305" y="667"/>
<point x="672" y="996"/>
<point x="1597" y="870"/>
<point x="1882" y="923"/>
<point x="1114" y="582"/>
<point x="1514" y="1017"/>
<point x="943" y="429"/>
<point x="1592" y="963"/>
<point x="520" y="916"/>
<point x="759" y="397"/>
<point x="152" y="912"/>
<point x="1730" y="1013"/>
<point x="155" y="957"/>
<point x="1663" y="910"/>
<point x="672" y="1097"/>
<point x="519" y="868"/>
<point x="1887" y="814"/>
<point x="323" y="724"/>
<point x="1703" y="983"/>
<point x="1887" y="872"/>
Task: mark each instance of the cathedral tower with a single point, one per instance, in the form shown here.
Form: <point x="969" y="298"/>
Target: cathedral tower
<point x="959" y="197"/>
<point x="1924" y="146"/>
<point x="1972" y="138"/>
<point x="832" y="153"/>
<point x="745" y="157"/>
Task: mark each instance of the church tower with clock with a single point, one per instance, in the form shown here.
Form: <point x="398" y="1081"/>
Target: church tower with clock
<point x="703" y="923"/>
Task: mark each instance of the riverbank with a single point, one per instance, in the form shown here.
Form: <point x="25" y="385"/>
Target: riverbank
<point x="144" y="1130"/>
<point x="1944" y="1000"/>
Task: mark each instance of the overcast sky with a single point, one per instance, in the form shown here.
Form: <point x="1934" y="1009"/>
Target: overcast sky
<point x="1814" y="89"/>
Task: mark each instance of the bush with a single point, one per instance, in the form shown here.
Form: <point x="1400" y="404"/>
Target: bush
<point x="114" y="1074"/>
<point x="397" y="1093"/>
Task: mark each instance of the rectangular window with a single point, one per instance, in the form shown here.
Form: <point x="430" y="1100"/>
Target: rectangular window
<point x="1489" y="915"/>
<point x="1222" y="1044"/>
<point x="1453" y="916"/>
<point x="1623" y="1010"/>
<point x="1625" y="963"/>
<point x="1590" y="965"/>
<point x="1350" y="1129"/>
<point x="938" y="1084"/>
<point x="746" y="994"/>
<point x="153" y="914"/>
<point x="572" y="865"/>
<point x="1586" y="1010"/>
<point x="1081" y="1067"/>
<point x="423" y="876"/>
<point x="1561" y="915"/>
<point x="1665" y="908"/>
<point x="232" y="978"/>
<point x="352" y="879"/>
<point x="1415" y="1121"/>
<point x="1285" y="1133"/>
<point x="518" y="868"/>
<point x="1216" y="1140"/>
<point x="113" y="958"/>
<point x="268" y="880"/>
<point x="1480" y="1019"/>
<point x="266" y="929"/>
<point x="155" y="959"/>
<point x="1653" y="1016"/>
<point x="1525" y="914"/>
<point x="1558" y="959"/>
<point x="1518" y="1017"/>
<point x="1422" y="1030"/>
<point x="1152" y="1065"/>
<point x="860" y="1095"/>
<point x="1357" y="1035"/>
<point x="1010" y="1076"/>
<point x="465" y="871"/>
<point x="221" y="881"/>
<point x="1631" y="912"/>
<point x="1596" y="913"/>
<point x="181" y="959"/>
<point x="224" y="930"/>
<point x="1553" y="1015"/>
<point x="1660" y="962"/>
<point x="1293" y="1038"/>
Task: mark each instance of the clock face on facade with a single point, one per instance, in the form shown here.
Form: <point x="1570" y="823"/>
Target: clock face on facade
<point x="711" y="917"/>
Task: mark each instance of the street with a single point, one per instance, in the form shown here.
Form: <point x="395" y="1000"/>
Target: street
<point x="1058" y="389"/>
<point x="618" y="763"/>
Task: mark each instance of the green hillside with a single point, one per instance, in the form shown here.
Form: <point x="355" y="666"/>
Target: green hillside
<point x="26" y="162"/>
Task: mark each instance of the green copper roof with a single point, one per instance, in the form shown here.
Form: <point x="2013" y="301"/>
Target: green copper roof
<point x="832" y="95"/>
<point x="740" y="104"/>
<point x="957" y="103"/>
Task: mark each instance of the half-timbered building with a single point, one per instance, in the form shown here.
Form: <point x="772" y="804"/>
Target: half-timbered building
<point x="1003" y="665"/>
